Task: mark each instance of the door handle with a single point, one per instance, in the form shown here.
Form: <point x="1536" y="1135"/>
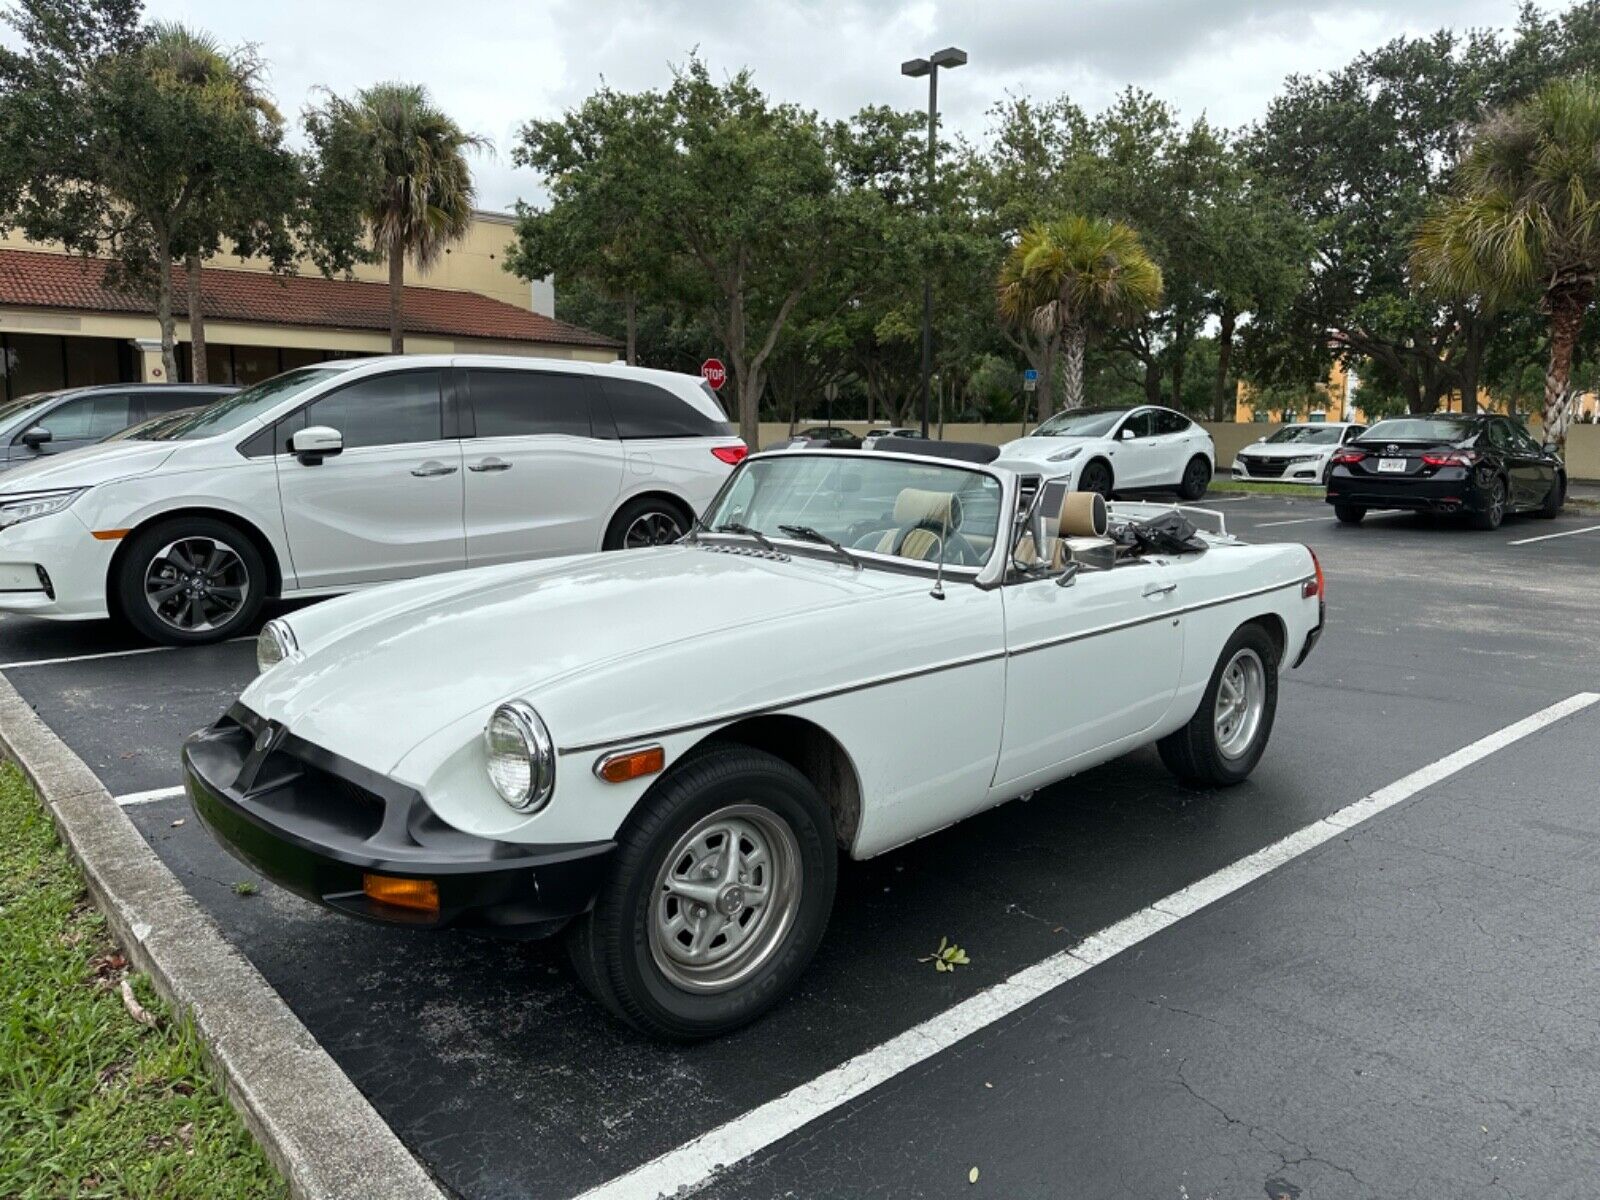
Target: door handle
<point x="491" y="464"/>
<point x="431" y="468"/>
<point x="1159" y="589"/>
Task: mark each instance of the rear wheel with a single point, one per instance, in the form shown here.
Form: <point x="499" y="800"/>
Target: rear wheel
<point x="1555" y="500"/>
<point x="1349" y="514"/>
<point x="1196" y="478"/>
<point x="1225" y="738"/>
<point x="716" y="899"/>
<point x="1096" y="477"/>
<point x="1494" y="506"/>
<point x="191" y="580"/>
<point x="647" y="521"/>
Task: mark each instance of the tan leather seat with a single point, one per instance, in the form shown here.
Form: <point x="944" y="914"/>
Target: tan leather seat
<point x="931" y="512"/>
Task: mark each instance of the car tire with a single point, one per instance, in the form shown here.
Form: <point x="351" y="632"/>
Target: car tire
<point x="1494" y="511"/>
<point x="1096" y="477"/>
<point x="190" y="581"/>
<point x="647" y="521"/>
<point x="1196" y="478"/>
<point x="629" y="949"/>
<point x="1555" y="501"/>
<point x="1228" y="733"/>
<point x="1349" y="514"/>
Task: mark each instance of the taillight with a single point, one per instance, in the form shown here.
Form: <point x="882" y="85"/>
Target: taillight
<point x="1316" y="586"/>
<point x="732" y="455"/>
<point x="1451" y="458"/>
<point x="1345" y="457"/>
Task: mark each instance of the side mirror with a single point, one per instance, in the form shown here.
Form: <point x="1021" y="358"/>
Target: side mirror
<point x="1126" y="434"/>
<point x="1069" y="573"/>
<point x="1549" y="448"/>
<point x="35" y="436"/>
<point x="315" y="443"/>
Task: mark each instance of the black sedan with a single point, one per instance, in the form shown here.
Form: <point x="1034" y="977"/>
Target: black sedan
<point x="1482" y="467"/>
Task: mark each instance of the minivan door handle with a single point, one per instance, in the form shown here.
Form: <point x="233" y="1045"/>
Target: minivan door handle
<point x="431" y="468"/>
<point x="491" y="464"/>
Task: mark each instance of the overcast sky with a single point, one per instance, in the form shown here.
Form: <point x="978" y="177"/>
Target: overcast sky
<point x="494" y="63"/>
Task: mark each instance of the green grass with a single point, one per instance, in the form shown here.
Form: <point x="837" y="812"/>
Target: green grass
<point x="92" y="1103"/>
<point x="1226" y="487"/>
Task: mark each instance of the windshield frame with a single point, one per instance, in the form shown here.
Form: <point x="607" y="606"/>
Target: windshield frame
<point x="986" y="577"/>
<point x="324" y="374"/>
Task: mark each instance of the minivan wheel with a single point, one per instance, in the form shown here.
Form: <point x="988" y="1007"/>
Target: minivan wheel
<point x="190" y="581"/>
<point x="647" y="521"/>
<point x="716" y="897"/>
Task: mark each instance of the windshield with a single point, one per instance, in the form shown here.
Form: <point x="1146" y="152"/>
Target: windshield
<point x="1307" y="435"/>
<point x="1091" y="422"/>
<point x="231" y="412"/>
<point x="1421" y="429"/>
<point x="866" y="503"/>
<point x="22" y="404"/>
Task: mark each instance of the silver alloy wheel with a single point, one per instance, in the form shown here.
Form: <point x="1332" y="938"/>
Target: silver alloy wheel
<point x="196" y="584"/>
<point x="1241" y="699"/>
<point x="652" y="529"/>
<point x="725" y="898"/>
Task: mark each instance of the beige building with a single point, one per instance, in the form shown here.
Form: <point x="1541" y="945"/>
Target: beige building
<point x="61" y="325"/>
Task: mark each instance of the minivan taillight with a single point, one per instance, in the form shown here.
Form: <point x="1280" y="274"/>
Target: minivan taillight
<point x="732" y="455"/>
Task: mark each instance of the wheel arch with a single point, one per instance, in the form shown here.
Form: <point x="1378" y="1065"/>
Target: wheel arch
<point x="249" y="529"/>
<point x="809" y="749"/>
<point x="1273" y="626"/>
<point x="1100" y="457"/>
<point x="652" y="492"/>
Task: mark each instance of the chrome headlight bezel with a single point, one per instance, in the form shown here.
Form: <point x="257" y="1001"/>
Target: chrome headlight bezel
<point x="276" y="644"/>
<point x="518" y="720"/>
<point x="29" y="506"/>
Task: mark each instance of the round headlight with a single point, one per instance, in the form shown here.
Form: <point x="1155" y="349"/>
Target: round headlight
<point x="275" y="644"/>
<point x="520" y="755"/>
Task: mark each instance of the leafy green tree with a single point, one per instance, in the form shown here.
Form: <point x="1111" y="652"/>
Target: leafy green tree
<point x="1524" y="219"/>
<point x="1072" y="275"/>
<point x="408" y="161"/>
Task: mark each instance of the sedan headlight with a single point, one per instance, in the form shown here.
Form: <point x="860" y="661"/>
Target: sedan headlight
<point x="1066" y="455"/>
<point x="275" y="645"/>
<point x="521" y="757"/>
<point x="28" y="505"/>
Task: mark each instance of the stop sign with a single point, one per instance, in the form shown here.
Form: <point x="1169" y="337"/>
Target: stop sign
<point x="714" y="373"/>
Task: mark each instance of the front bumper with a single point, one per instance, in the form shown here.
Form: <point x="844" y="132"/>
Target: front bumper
<point x="1448" y="490"/>
<point x="54" y="567"/>
<point x="1270" y="470"/>
<point x="316" y="824"/>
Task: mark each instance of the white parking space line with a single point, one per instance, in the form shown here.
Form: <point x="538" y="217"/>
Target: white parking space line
<point x="1296" y="521"/>
<point x="696" y="1162"/>
<point x="1545" y="537"/>
<point x="166" y="793"/>
<point x="72" y="658"/>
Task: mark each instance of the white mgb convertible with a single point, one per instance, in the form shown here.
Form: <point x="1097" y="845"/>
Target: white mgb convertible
<point x="664" y="751"/>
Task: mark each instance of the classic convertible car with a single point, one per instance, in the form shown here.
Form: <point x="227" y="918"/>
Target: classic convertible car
<point x="628" y="748"/>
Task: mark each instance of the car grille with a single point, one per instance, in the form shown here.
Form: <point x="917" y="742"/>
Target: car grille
<point x="1267" y="468"/>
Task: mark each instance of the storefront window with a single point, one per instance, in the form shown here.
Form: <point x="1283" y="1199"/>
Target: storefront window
<point x="33" y="363"/>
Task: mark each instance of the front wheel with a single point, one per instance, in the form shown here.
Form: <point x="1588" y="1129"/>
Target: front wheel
<point x="717" y="897"/>
<point x="1225" y="738"/>
<point x="190" y="581"/>
<point x="1555" y="500"/>
<point x="1196" y="478"/>
<point x="1096" y="477"/>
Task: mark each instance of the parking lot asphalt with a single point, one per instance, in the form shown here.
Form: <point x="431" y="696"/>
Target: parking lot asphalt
<point x="1404" y="1011"/>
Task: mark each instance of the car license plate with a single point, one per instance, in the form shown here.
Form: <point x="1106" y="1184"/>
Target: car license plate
<point x="1391" y="465"/>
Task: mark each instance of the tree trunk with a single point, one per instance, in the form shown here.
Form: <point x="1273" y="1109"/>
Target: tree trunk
<point x="1219" y="393"/>
<point x="1566" y="309"/>
<point x="397" y="284"/>
<point x="197" y="323"/>
<point x="1072" y="368"/>
<point x="169" y="331"/>
<point x="630" y="310"/>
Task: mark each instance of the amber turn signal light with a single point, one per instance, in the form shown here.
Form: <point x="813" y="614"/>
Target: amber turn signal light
<point x="422" y="895"/>
<point x="623" y="765"/>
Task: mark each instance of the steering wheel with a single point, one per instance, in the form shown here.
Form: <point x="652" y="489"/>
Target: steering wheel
<point x="957" y="549"/>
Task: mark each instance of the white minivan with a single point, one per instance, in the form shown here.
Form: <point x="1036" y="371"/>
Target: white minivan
<point x="354" y="472"/>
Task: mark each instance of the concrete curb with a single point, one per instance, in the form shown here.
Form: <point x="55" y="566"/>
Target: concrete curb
<point x="322" y="1134"/>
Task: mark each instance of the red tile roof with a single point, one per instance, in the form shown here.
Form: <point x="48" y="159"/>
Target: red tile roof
<point x="37" y="279"/>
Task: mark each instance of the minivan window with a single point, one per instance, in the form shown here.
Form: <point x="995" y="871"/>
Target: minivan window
<point x="383" y="410"/>
<point x="643" y="410"/>
<point x="518" y="403"/>
<point x="239" y="409"/>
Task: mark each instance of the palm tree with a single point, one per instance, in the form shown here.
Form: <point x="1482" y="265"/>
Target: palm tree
<point x="1066" y="277"/>
<point x="1524" y="219"/>
<point x="230" y="84"/>
<point x="417" y="184"/>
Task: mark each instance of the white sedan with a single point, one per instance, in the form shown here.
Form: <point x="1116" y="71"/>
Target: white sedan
<point x="355" y="472"/>
<point x="1298" y="453"/>
<point x="627" y="748"/>
<point x="1121" y="450"/>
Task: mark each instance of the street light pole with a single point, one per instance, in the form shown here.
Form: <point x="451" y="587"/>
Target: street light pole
<point x="916" y="68"/>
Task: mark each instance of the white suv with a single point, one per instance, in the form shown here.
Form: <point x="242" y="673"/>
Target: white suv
<point x="355" y="472"/>
<point x="1103" y="450"/>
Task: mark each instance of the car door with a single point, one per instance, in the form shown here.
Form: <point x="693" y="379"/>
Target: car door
<point x="389" y="505"/>
<point x="1089" y="667"/>
<point x="1137" y="459"/>
<point x="75" y="422"/>
<point x="539" y="482"/>
<point x="1527" y="487"/>
<point x="1177" y="440"/>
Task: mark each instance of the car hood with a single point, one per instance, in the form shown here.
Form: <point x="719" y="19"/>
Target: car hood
<point x="1285" y="450"/>
<point x="386" y="668"/>
<point x="1039" y="449"/>
<point x="88" y="466"/>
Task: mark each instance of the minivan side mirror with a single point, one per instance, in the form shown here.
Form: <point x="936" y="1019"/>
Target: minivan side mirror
<point x="35" y="436"/>
<point x="315" y="443"/>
